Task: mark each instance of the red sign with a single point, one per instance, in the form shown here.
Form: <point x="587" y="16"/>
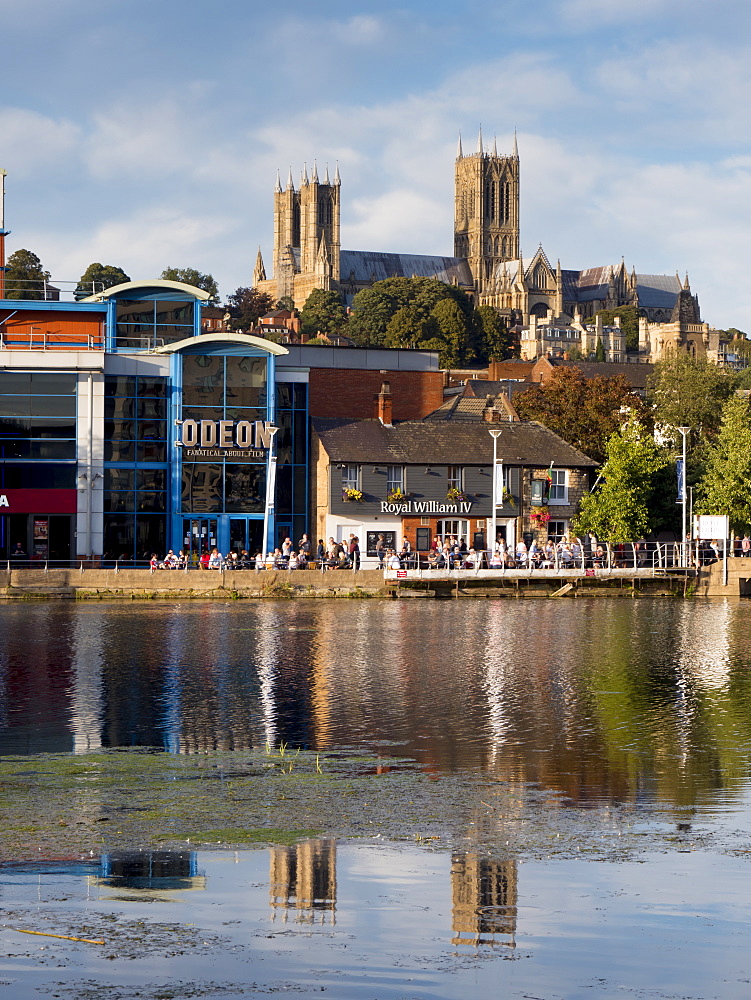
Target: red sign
<point x="38" y="501"/>
<point x="401" y="574"/>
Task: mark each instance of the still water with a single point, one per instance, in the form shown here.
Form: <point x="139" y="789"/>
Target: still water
<point x="600" y="703"/>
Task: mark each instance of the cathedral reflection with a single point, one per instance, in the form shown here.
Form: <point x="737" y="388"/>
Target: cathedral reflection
<point x="144" y="874"/>
<point x="303" y="879"/>
<point x="484" y="901"/>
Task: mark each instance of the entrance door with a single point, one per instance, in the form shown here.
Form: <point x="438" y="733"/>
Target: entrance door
<point x="245" y="533"/>
<point x="199" y="536"/>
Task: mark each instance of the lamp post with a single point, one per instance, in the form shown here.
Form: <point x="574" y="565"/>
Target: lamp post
<point x="684" y="561"/>
<point x="495" y="434"/>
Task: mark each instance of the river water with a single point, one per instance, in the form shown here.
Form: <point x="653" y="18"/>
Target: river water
<point x="596" y="704"/>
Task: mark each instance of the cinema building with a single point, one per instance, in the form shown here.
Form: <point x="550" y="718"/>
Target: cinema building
<point x="124" y="430"/>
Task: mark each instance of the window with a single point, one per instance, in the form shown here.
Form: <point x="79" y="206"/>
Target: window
<point x="454" y="528"/>
<point x="394" y="478"/>
<point x="556" y="530"/>
<point x="350" y="477"/>
<point x="558" y="486"/>
<point x="455" y="477"/>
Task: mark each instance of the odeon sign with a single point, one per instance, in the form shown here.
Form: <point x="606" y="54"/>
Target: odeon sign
<point x="243" y="439"/>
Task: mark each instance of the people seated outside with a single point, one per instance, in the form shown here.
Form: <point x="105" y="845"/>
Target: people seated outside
<point x="293" y="562"/>
<point x="548" y="559"/>
<point x="258" y="561"/>
<point x="521" y="554"/>
<point x="497" y="560"/>
<point x="153" y="562"/>
<point x="203" y="562"/>
<point x="18" y="552"/>
<point x="534" y="556"/>
<point x="577" y="552"/>
<point x="394" y="562"/>
<point x="433" y="557"/>
<point x="232" y="561"/>
<point x="600" y="557"/>
<point x="169" y="561"/>
<point x="215" y="559"/>
<point x="354" y="552"/>
<point x="287" y="547"/>
<point x="565" y="557"/>
<point x="746" y="547"/>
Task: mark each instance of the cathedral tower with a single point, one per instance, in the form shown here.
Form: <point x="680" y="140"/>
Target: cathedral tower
<point x="486" y="210"/>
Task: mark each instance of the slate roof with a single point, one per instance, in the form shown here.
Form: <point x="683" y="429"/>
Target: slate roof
<point x="658" y="291"/>
<point x="428" y="443"/>
<point x="371" y="265"/>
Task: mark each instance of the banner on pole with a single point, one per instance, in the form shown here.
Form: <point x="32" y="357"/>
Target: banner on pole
<point x="681" y="474"/>
<point x="499" y="484"/>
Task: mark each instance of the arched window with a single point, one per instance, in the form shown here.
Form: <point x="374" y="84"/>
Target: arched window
<point x="540" y="277"/>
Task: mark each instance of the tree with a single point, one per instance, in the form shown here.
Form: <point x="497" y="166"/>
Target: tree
<point x="24" y="276"/>
<point x="286" y="302"/>
<point x="599" y="350"/>
<point x="407" y="328"/>
<point x="620" y="510"/>
<point x="189" y="276"/>
<point x="97" y="277"/>
<point x="689" y="392"/>
<point x="494" y="341"/>
<point x="323" y="312"/>
<point x="452" y="336"/>
<point x="372" y="309"/>
<point x="725" y="487"/>
<point x="584" y="412"/>
<point x="245" y="306"/>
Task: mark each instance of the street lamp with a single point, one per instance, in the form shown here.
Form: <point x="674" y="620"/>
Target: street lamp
<point x="495" y="434"/>
<point x="684" y="561"/>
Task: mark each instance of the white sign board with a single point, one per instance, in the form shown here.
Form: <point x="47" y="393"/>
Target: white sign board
<point x="712" y="526"/>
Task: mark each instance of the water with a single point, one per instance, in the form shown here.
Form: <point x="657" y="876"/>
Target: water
<point x="597" y="705"/>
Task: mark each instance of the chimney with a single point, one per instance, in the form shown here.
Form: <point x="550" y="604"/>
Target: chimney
<point x="384" y="404"/>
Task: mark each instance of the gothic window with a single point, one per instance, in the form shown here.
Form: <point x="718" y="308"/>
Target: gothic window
<point x="503" y="210"/>
<point x="488" y="201"/>
<point x="296" y="224"/>
<point x="540" y="277"/>
<point x="505" y="248"/>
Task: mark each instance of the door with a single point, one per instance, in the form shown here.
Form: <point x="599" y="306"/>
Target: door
<point x="245" y="533"/>
<point x="199" y="536"/>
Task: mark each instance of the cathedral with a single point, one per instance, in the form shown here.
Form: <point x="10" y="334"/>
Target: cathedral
<point x="487" y="261"/>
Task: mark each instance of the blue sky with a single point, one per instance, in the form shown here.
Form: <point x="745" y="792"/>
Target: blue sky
<point x="149" y="134"/>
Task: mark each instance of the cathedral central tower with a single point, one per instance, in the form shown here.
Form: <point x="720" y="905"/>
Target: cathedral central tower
<point x="486" y="210"/>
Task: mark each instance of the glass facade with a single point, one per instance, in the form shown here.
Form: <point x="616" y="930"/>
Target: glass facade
<point x="136" y="470"/>
<point x="144" y="324"/>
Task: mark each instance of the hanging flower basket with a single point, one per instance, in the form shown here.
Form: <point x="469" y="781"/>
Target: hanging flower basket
<point x="539" y="516"/>
<point x="396" y="496"/>
<point x="508" y="498"/>
<point x="352" y="495"/>
<point x="456" y="496"/>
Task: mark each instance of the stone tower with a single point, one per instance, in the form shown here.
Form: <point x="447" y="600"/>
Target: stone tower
<point x="486" y="211"/>
<point x="306" y="234"/>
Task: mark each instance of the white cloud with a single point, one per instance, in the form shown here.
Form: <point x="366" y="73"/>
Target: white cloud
<point x="33" y="142"/>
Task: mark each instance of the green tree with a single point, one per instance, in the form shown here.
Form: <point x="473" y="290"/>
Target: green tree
<point x="725" y="487"/>
<point x="97" y="277"/>
<point x="619" y="510"/>
<point x="323" y="312"/>
<point x="599" y="350"/>
<point x="452" y="336"/>
<point x="372" y="310"/>
<point x="189" y="276"/>
<point x="494" y="341"/>
<point x="24" y="276"/>
<point x="408" y="328"/>
<point x="585" y="412"/>
<point x="629" y="316"/>
<point x="286" y="302"/>
<point x="245" y="306"/>
<point x="689" y="392"/>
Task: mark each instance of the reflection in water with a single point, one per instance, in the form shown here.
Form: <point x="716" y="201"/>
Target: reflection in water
<point x="484" y="900"/>
<point x="303" y="878"/>
<point x="149" y="874"/>
<point x="597" y="700"/>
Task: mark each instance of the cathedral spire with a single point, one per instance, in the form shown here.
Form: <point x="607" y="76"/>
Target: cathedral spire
<point x="278" y="188"/>
<point x="459" y="153"/>
<point x="314" y="175"/>
<point x="290" y="182"/>
<point x="259" y="271"/>
<point x="515" y="152"/>
<point x="305" y="180"/>
<point x="495" y="147"/>
<point x="686" y="284"/>
<point x="337" y="178"/>
<point x="479" y="141"/>
<point x="326" y="177"/>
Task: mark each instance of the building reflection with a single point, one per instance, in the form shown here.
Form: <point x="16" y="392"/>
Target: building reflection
<point x="302" y="880"/>
<point x="484" y="901"/>
<point x="149" y="874"/>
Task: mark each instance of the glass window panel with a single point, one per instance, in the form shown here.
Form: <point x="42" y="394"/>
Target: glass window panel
<point x="301" y="426"/>
<point x="122" y="430"/>
<point x="148" y="386"/>
<point x="119" y="407"/>
<point x="152" y="429"/>
<point x="118" y="501"/>
<point x="171" y="334"/>
<point x="52" y="449"/>
<point x="15" y="406"/>
<point x="202" y="488"/>
<point x="150" y="535"/>
<point x="53" y="427"/>
<point x="300" y="395"/>
<point x="351" y="477"/>
<point x="175" y="313"/>
<point x="116" y="450"/>
<point x="134" y="311"/>
<point x="245" y="488"/>
<point x="203" y="413"/>
<point x="118" y="536"/>
<point x="151" y="451"/>
<point x="15" y="448"/>
<point x="284" y="490"/>
<point x="151" y="479"/>
<point x="394" y="478"/>
<point x="37" y="476"/>
<point x="284" y="439"/>
<point x="203" y="377"/>
<point x="301" y="489"/>
<point x="152" y="409"/>
<point x="53" y="384"/>
<point x="246" y="381"/>
<point x="154" y="502"/>
<point x="119" y="479"/>
<point x="54" y="406"/>
<point x="283" y="395"/>
<point x="16" y="383"/>
<point x="236" y="413"/>
<point x="14" y="427"/>
<point x="119" y="385"/>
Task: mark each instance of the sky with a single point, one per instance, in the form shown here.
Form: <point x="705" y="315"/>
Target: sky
<point x="149" y="134"/>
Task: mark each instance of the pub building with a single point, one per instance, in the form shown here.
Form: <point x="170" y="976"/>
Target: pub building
<point x="418" y="479"/>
